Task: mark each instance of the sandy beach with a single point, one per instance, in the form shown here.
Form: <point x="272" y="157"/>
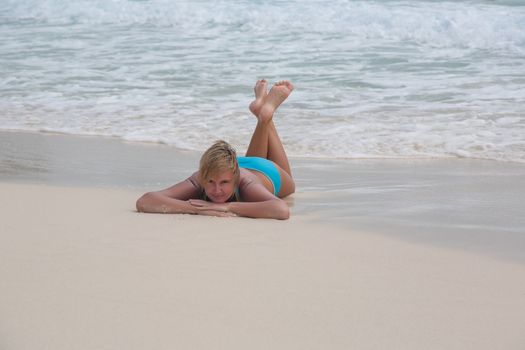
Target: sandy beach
<point x="82" y="270"/>
<point x="405" y="135"/>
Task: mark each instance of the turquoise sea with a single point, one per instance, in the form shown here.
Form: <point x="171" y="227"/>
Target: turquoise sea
<point x="374" y="79"/>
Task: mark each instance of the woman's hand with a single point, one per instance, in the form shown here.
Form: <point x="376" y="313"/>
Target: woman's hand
<point x="209" y="208"/>
<point x="205" y="205"/>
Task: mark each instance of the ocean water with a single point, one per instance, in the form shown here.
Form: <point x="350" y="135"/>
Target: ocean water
<point x="374" y="79"/>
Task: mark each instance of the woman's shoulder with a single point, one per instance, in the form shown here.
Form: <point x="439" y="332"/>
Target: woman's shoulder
<point x="194" y="178"/>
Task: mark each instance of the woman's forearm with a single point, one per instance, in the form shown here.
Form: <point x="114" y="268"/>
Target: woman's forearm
<point x="153" y="202"/>
<point x="271" y="209"/>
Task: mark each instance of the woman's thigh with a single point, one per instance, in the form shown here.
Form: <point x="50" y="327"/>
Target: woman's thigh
<point x="287" y="183"/>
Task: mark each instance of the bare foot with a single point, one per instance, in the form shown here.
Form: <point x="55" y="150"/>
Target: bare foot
<point x="279" y="92"/>
<point x="260" y="90"/>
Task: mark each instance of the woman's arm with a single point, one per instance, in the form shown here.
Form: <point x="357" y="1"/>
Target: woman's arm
<point x="172" y="200"/>
<point x="180" y="199"/>
<point x="270" y="209"/>
<point x="259" y="203"/>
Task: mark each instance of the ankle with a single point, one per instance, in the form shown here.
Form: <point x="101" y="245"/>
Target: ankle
<point x="264" y="120"/>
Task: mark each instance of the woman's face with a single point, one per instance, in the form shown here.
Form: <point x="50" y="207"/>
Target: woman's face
<point x="220" y="187"/>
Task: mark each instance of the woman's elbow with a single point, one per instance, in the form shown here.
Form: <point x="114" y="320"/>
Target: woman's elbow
<point x="283" y="212"/>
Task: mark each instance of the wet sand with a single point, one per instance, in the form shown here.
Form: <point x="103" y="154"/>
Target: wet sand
<point x="471" y="205"/>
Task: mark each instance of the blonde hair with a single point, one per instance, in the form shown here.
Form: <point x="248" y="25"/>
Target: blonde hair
<point x="219" y="157"/>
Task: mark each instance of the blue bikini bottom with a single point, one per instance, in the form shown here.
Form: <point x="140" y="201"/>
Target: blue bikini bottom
<point x="264" y="166"/>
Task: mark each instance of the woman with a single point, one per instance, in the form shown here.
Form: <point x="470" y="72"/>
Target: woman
<point x="227" y="185"/>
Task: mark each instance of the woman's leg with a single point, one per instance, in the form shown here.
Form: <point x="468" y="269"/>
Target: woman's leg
<point x="258" y="146"/>
<point x="265" y="140"/>
<point x="276" y="152"/>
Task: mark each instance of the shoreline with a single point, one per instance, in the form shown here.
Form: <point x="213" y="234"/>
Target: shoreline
<point x="469" y="205"/>
<point x="300" y="158"/>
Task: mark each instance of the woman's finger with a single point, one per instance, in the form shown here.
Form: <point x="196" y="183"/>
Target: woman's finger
<point x="198" y="202"/>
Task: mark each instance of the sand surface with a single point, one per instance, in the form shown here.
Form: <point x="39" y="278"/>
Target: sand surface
<point x="82" y="270"/>
<point x="378" y="254"/>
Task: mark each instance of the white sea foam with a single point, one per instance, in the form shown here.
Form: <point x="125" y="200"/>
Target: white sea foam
<point x="373" y="78"/>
